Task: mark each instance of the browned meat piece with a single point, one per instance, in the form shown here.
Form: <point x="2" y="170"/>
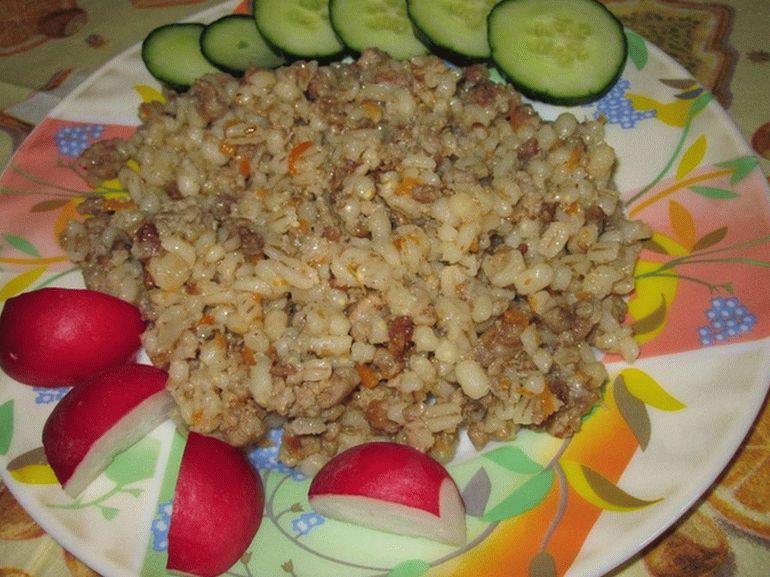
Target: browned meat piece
<point x="211" y="97"/>
<point x="103" y="160"/>
<point x="146" y="242"/>
<point x="385" y="365"/>
<point x="400" y="331"/>
<point x="527" y="149"/>
<point x="251" y="242"/>
<point x="502" y="340"/>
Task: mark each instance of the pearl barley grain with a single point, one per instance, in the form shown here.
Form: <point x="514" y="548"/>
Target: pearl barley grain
<point x="472" y="378"/>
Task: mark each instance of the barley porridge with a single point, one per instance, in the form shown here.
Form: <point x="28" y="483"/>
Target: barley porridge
<point x="375" y="249"/>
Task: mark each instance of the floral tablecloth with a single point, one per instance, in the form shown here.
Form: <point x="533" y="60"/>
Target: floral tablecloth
<point x="47" y="47"/>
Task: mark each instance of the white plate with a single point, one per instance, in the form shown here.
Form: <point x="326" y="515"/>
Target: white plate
<point x="665" y="431"/>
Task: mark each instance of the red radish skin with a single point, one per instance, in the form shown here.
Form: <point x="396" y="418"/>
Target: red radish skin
<point x="55" y="337"/>
<point x="386" y="471"/>
<point x="390" y="487"/>
<point x="100" y="418"/>
<point x="218" y="507"/>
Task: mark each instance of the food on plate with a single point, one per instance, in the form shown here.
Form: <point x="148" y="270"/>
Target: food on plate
<point x="55" y="337"/>
<point x="558" y="51"/>
<point x="456" y="30"/>
<point x="217" y="508"/>
<point x="233" y="43"/>
<point x="378" y="249"/>
<point x="102" y="417"/>
<point x="298" y="29"/>
<point x="362" y="24"/>
<point x="172" y="53"/>
<point x="390" y="487"/>
<point x="555" y="51"/>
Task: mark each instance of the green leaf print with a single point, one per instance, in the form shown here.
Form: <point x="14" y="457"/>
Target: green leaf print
<point x="135" y="463"/>
<point x="6" y="426"/>
<point x="109" y="513"/>
<point x="742" y="167"/>
<point x="714" y="193"/>
<point x="514" y="459"/>
<point x="413" y="568"/>
<point x="526" y="497"/>
<point x="21" y="244"/>
<point x="699" y="104"/>
<point x="637" y="49"/>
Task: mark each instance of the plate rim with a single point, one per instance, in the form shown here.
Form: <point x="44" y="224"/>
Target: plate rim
<point x="616" y="557"/>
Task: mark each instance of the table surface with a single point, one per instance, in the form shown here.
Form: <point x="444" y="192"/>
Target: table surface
<point x="47" y="47"/>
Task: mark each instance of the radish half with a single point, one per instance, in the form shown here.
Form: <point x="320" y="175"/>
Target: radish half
<point x="391" y="487"/>
<point x="102" y="417"/>
<point x="57" y="337"/>
<point x="218" y="506"/>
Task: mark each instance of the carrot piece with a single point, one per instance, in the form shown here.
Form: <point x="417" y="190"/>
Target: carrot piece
<point x="407" y="184"/>
<point x="516" y="317"/>
<point x="575" y="156"/>
<point x="244" y="167"/>
<point x="295" y="154"/>
<point x="372" y="110"/>
<point x="369" y="377"/>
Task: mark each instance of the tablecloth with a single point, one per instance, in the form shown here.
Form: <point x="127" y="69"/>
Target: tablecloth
<point x="47" y="47"/>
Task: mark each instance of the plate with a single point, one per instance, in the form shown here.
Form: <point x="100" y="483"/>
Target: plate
<point x="540" y="506"/>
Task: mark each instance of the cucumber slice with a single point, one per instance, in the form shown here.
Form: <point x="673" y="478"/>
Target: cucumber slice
<point x="298" y="28"/>
<point x="233" y="43"/>
<point x="558" y="51"/>
<point x="172" y="54"/>
<point x="454" y="29"/>
<point x="382" y="24"/>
